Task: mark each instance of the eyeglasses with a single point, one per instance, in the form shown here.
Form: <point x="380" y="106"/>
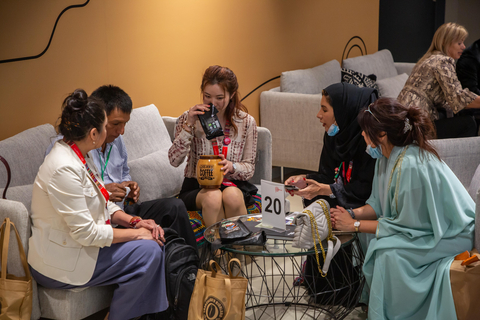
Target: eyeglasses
<point x="368" y="109"/>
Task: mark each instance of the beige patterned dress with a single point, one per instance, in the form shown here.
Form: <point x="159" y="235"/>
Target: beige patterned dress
<point x="242" y="150"/>
<point x="434" y="85"/>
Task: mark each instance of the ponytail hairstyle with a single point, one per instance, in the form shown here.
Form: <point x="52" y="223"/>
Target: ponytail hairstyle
<point x="443" y="38"/>
<point x="80" y="114"/>
<point x="227" y="80"/>
<point x="403" y="125"/>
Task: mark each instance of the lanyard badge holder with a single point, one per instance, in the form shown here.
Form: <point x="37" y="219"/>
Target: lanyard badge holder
<point x="98" y="183"/>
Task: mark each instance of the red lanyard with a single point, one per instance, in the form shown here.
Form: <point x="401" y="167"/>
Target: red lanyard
<point x="346" y="177"/>
<point x="226" y="141"/>
<point x="98" y="183"/>
<point x="349" y="171"/>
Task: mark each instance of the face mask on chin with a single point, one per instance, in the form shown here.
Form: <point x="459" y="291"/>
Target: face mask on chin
<point x="375" y="153"/>
<point x="333" y="130"/>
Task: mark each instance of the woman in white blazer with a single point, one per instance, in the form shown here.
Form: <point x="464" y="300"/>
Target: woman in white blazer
<point x="73" y="243"/>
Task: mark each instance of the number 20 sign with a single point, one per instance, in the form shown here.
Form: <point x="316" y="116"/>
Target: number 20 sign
<point x="273" y="204"/>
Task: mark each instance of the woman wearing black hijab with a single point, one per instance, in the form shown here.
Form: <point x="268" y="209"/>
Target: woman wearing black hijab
<point x="346" y="171"/>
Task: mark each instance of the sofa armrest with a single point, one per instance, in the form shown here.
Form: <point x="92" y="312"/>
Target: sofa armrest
<point x="297" y="135"/>
<point x="404" y="67"/>
<point x="462" y="155"/>
<point x="170" y="123"/>
<point x="477" y="221"/>
<point x="263" y="163"/>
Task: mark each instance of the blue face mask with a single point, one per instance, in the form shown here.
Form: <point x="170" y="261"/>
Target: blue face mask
<point x="375" y="153"/>
<point x="333" y="130"/>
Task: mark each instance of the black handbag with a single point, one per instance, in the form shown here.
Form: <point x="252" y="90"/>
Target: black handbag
<point x="255" y="239"/>
<point x="343" y="283"/>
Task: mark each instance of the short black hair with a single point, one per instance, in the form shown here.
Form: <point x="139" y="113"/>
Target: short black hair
<point x="114" y="98"/>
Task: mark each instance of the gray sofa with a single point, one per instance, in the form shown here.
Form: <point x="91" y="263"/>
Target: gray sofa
<point x="463" y="157"/>
<point x="148" y="138"/>
<point x="289" y="111"/>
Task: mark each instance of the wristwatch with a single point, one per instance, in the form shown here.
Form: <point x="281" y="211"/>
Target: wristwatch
<point x="234" y="165"/>
<point x="356" y="225"/>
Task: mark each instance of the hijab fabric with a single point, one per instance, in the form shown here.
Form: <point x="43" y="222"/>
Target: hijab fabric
<point x="347" y="101"/>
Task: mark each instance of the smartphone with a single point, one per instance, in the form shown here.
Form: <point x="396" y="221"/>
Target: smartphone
<point x="291" y="187"/>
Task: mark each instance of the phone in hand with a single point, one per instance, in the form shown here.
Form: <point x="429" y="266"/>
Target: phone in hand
<point x="291" y="187"/>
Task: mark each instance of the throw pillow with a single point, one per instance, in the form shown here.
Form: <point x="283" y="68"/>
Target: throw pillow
<point x="156" y="177"/>
<point x="359" y="79"/>
<point x="379" y="63"/>
<point x="391" y="87"/>
<point x="310" y="81"/>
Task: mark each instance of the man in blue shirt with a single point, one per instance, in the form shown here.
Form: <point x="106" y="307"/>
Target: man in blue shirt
<point x="111" y="162"/>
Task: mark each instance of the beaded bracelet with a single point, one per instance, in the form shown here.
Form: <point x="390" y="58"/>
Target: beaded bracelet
<point x="352" y="214"/>
<point x="134" y="221"/>
<point x="192" y="128"/>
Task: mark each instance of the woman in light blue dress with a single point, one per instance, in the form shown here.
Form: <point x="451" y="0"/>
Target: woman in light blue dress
<point x="421" y="215"/>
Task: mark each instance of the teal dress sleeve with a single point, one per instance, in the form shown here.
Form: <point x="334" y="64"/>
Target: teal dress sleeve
<point x="374" y="199"/>
<point x="427" y="200"/>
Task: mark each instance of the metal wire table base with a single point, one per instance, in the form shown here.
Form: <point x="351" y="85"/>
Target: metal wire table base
<point x="290" y="285"/>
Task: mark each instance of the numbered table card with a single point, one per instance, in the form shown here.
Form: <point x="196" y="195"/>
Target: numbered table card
<point x="273" y="205"/>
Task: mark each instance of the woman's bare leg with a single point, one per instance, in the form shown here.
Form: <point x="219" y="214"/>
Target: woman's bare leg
<point x="211" y="204"/>
<point x="233" y="202"/>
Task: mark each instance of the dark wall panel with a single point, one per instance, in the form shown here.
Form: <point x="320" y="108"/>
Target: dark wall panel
<point x="406" y="27"/>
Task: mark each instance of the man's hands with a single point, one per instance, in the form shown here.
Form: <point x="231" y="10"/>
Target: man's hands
<point x="118" y="191"/>
<point x="134" y="189"/>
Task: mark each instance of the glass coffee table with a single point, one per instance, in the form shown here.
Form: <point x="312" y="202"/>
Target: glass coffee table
<point x="284" y="281"/>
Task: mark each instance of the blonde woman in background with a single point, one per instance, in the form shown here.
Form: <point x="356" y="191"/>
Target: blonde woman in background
<point x="433" y="85"/>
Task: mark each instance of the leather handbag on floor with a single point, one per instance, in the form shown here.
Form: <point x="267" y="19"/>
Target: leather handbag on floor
<point x="218" y="296"/>
<point x="15" y="292"/>
<point x="465" y="280"/>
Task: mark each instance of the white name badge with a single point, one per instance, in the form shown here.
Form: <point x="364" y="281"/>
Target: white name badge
<point x="273" y="204"/>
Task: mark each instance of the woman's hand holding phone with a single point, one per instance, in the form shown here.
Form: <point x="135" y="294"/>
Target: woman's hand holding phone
<point x="291" y="187"/>
<point x="298" y="181"/>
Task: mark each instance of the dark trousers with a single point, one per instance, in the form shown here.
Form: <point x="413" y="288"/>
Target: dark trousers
<point x="168" y="213"/>
<point x="460" y="126"/>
